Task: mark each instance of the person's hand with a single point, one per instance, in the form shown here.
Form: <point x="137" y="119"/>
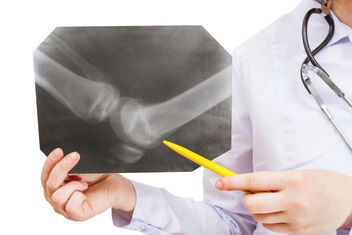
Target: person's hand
<point x="80" y="197"/>
<point x="305" y="201"/>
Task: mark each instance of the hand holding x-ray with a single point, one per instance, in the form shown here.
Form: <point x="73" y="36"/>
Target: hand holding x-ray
<point x="85" y="195"/>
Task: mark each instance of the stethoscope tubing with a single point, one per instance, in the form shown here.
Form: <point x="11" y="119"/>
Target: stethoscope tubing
<point x="318" y="70"/>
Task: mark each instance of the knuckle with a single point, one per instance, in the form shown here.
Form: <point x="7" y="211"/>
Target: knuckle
<point x="251" y="180"/>
<point x="49" y="160"/>
<point x="72" y="211"/>
<point x="295" y="179"/>
<point x="226" y="180"/>
<point x="57" y="210"/>
<point x="298" y="204"/>
<point x="62" y="166"/>
<point x="56" y="199"/>
<point x="50" y="188"/>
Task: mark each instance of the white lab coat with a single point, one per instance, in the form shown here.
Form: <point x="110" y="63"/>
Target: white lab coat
<point x="276" y="126"/>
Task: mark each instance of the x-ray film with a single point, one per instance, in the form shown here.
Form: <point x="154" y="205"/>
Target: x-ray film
<point x="114" y="93"/>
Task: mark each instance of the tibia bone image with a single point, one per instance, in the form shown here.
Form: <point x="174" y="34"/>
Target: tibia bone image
<point x="147" y="124"/>
<point x="114" y="93"/>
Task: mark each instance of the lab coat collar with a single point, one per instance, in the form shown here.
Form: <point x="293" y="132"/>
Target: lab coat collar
<point x="343" y="33"/>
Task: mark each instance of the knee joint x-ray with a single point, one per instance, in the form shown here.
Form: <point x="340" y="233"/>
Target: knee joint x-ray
<point x="114" y="93"/>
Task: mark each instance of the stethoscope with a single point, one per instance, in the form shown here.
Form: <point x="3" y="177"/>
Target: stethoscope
<point x="314" y="66"/>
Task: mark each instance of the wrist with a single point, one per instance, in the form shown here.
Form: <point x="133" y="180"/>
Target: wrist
<point x="131" y="199"/>
<point x="123" y="195"/>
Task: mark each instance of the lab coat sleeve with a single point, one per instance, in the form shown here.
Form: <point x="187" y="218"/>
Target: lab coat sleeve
<point x="159" y="212"/>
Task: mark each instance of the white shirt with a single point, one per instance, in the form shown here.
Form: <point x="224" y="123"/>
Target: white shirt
<point x="276" y="125"/>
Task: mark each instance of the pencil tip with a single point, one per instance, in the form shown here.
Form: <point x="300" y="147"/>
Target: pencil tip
<point x="168" y="144"/>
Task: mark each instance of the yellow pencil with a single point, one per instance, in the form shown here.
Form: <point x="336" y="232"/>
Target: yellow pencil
<point x="199" y="159"/>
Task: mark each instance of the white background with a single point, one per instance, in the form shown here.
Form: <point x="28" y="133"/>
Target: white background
<point x="24" y="25"/>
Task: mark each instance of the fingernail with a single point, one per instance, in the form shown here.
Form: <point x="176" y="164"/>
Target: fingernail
<point x="219" y="184"/>
<point x="73" y="156"/>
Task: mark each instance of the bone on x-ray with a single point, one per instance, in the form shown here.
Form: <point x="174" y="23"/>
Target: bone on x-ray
<point x="114" y="93"/>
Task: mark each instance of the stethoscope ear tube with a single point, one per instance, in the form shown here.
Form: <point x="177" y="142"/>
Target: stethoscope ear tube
<point x="311" y="54"/>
